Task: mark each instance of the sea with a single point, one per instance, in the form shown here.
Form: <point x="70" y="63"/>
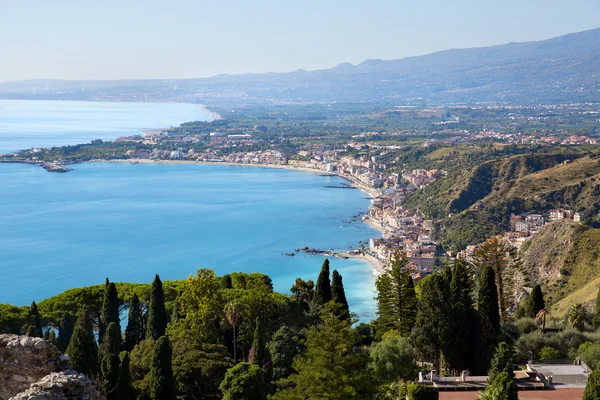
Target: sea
<point x="129" y="222"/>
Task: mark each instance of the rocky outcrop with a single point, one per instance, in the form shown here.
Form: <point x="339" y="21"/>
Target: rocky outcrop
<point x="66" y="385"/>
<point x="33" y="368"/>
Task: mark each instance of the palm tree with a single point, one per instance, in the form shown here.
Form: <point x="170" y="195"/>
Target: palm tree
<point x="576" y="316"/>
<point x="233" y="310"/>
<point x="540" y="318"/>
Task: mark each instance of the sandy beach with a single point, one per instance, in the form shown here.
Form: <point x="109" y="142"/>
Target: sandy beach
<point x="213" y="115"/>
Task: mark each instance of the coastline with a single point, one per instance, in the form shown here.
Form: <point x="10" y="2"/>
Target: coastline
<point x="211" y="114"/>
<point x="377" y="266"/>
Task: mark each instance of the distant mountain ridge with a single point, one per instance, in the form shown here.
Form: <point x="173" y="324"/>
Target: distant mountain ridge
<point x="558" y="70"/>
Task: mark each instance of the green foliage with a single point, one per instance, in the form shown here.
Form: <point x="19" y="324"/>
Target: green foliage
<point x="258" y="344"/>
<point x="36" y="321"/>
<point x="124" y="389"/>
<point x="12" y="318"/>
<point x="536" y="302"/>
<point x="323" y="289"/>
<point x="396" y="297"/>
<point x="82" y="350"/>
<point x="422" y="392"/>
<point x="109" y="368"/>
<point x="329" y="368"/>
<point x="112" y="341"/>
<point x="161" y="382"/>
<point x="141" y="361"/>
<point x="592" y="388"/>
<point x="503" y="387"/>
<point x="502" y="362"/>
<point x="157" y="315"/>
<point x="487" y="300"/>
<point x="134" y="332"/>
<point x="393" y="359"/>
<point x="576" y="316"/>
<point x="549" y="353"/>
<point x="65" y="331"/>
<point x="245" y="382"/>
<point x="337" y="292"/>
<point x="303" y="292"/>
<point x="283" y="349"/>
<point x="110" y="309"/>
<point x="589" y="353"/>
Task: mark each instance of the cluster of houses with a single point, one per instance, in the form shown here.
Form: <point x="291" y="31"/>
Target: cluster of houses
<point x="420" y="178"/>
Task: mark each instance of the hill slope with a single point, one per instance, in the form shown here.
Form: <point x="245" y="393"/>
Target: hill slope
<point x="557" y="70"/>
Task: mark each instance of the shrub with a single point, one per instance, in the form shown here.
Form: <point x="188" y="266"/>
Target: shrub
<point x="589" y="353"/>
<point x="526" y="325"/>
<point x="549" y="353"/>
<point x="422" y="392"/>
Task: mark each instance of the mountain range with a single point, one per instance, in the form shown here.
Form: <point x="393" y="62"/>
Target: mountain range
<point x="564" y="69"/>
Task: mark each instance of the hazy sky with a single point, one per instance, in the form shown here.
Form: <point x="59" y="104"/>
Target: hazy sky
<point x="113" y="39"/>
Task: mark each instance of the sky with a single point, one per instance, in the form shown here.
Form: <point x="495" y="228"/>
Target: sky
<point x="140" y="39"/>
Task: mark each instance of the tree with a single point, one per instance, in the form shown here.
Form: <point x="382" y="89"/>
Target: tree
<point x="576" y="316"/>
<point x="110" y="308"/>
<point x="329" y="367"/>
<point x="124" y="388"/>
<point x="112" y="341"/>
<point x="592" y="388"/>
<point x="157" y="315"/>
<point x="282" y="349"/>
<point x="541" y="316"/>
<point x="258" y="344"/>
<point x="233" y="311"/>
<point x="109" y="368"/>
<point x="596" y="317"/>
<point x="396" y="297"/>
<point x="431" y="330"/>
<point x="162" y="384"/>
<point x="65" y="331"/>
<point x="134" y="332"/>
<point x="303" y="292"/>
<point x="337" y="292"/>
<point x="31" y="331"/>
<point x="245" y="381"/>
<point x="487" y="302"/>
<point x="393" y="359"/>
<point x="36" y="320"/>
<point x="323" y="289"/>
<point x="536" y="302"/>
<point x="502" y="362"/>
<point x="503" y="387"/>
<point x="82" y="350"/>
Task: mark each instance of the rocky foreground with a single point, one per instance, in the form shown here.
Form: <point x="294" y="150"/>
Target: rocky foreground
<point x="32" y="368"/>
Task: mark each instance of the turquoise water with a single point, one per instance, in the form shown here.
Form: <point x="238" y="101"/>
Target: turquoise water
<point x="128" y="222"/>
<point x="25" y="123"/>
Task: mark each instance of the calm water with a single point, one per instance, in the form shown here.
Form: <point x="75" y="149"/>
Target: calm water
<point x="25" y="124"/>
<point x="129" y="222"/>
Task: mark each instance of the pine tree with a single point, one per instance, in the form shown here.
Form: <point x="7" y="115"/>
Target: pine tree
<point x="157" y="315"/>
<point x="323" y="289"/>
<point x="65" y="331"/>
<point x="487" y="302"/>
<point x="134" y="332"/>
<point x="125" y="389"/>
<point x="82" y="350"/>
<point x="535" y="302"/>
<point x="36" y="319"/>
<point x="385" y="304"/>
<point x="592" y="388"/>
<point x="162" y="383"/>
<point x="109" y="367"/>
<point x="337" y="292"/>
<point x="110" y="308"/>
<point x="258" y="344"/>
<point x="112" y="341"/>
<point x="502" y="362"/>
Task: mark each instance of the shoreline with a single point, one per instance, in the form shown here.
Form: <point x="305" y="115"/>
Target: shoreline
<point x="377" y="266"/>
<point x="214" y="116"/>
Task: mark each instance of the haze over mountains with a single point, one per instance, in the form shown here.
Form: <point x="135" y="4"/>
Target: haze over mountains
<point x="558" y="70"/>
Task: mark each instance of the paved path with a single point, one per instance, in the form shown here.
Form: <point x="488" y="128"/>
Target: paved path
<point x="559" y="394"/>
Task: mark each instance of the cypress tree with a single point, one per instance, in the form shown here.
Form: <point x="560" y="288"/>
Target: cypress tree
<point x="101" y="324"/>
<point x="36" y="319"/>
<point x="592" y="388"/>
<point x="112" y="341"/>
<point x="337" y="291"/>
<point x="502" y="362"/>
<point x="536" y="301"/>
<point x="157" y="315"/>
<point x="110" y="308"/>
<point x="110" y="374"/>
<point x="65" y="331"/>
<point x="258" y="344"/>
<point x="125" y="389"/>
<point x="134" y="332"/>
<point x="82" y="350"/>
<point x="487" y="302"/>
<point x="323" y="289"/>
<point x="162" y="383"/>
<point x="227" y="283"/>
